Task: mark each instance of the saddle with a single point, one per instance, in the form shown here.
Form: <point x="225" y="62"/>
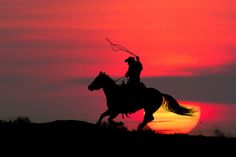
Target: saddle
<point x="132" y="87"/>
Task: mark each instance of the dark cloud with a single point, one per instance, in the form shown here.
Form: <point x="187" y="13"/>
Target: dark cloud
<point x="42" y="61"/>
<point x="16" y="79"/>
<point x="213" y="88"/>
<point x="79" y="81"/>
<point x="27" y="46"/>
<point x="42" y="39"/>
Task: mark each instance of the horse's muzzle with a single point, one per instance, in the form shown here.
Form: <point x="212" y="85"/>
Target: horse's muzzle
<point x="90" y="88"/>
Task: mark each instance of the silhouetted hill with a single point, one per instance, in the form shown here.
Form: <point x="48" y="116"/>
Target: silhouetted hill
<point x="77" y="135"/>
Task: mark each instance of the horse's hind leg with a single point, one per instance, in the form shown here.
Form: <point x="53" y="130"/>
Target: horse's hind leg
<point x="147" y="118"/>
<point x="149" y="111"/>
<point x="106" y="113"/>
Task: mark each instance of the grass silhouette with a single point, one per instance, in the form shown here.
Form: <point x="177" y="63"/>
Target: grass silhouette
<point x="67" y="134"/>
<point x="17" y="121"/>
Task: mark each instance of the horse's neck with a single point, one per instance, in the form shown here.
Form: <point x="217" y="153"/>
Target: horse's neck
<point x="106" y="92"/>
<point x="109" y="90"/>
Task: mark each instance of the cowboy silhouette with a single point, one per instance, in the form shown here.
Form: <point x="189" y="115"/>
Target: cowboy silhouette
<point x="134" y="71"/>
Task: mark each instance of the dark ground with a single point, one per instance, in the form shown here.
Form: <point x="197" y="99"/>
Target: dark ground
<point x="78" y="136"/>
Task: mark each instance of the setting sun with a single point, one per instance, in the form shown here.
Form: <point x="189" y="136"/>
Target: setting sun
<point x="166" y="122"/>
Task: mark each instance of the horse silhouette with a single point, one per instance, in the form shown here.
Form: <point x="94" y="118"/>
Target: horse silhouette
<point x="122" y="99"/>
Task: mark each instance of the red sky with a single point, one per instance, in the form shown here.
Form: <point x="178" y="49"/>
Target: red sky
<point x="47" y="48"/>
<point x="171" y="37"/>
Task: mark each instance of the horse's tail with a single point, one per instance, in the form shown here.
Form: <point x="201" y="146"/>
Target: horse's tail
<point x="173" y="106"/>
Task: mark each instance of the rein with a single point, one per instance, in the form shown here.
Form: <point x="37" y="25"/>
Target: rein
<point x="119" y="78"/>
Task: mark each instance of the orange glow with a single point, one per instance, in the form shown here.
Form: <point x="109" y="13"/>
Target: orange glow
<point x="173" y="38"/>
<point x="166" y="122"/>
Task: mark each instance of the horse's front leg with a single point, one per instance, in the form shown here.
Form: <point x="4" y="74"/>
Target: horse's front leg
<point x="106" y="113"/>
<point x="112" y="116"/>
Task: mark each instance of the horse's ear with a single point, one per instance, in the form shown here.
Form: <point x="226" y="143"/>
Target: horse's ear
<point x="100" y="72"/>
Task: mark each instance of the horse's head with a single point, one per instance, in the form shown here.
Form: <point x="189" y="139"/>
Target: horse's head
<point x="99" y="82"/>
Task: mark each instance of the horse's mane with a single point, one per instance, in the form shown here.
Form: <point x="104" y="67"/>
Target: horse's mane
<point x="108" y="78"/>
